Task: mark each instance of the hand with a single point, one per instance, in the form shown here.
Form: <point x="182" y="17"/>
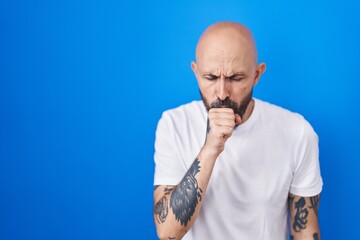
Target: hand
<point x="222" y="122"/>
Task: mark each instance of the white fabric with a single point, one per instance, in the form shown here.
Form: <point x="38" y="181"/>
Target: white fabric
<point x="273" y="153"/>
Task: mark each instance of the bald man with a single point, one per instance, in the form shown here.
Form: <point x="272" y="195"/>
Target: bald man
<point x="254" y="162"/>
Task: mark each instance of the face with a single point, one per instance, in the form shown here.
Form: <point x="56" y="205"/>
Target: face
<point x="227" y="79"/>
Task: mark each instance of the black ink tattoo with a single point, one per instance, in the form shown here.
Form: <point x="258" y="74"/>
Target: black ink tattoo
<point x="161" y="208"/>
<point x="186" y="195"/>
<point x="301" y="215"/>
<point x="316" y="236"/>
<point x="315" y="203"/>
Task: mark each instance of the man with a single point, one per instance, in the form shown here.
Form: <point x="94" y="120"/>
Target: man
<point x="254" y="161"/>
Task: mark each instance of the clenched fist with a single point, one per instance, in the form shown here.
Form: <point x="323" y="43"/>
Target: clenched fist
<point x="222" y="122"/>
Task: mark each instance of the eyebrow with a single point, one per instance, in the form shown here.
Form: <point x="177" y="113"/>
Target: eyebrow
<point x="236" y="74"/>
<point x="210" y="75"/>
<point x="232" y="75"/>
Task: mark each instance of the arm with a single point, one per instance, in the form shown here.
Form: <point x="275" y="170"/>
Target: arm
<point x="304" y="217"/>
<point x="177" y="207"/>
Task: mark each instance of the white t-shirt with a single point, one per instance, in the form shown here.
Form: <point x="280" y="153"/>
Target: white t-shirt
<point x="271" y="154"/>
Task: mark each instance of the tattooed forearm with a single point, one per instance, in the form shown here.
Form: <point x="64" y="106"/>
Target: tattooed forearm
<point x="315" y="203"/>
<point x="316" y="236"/>
<point x="300" y="218"/>
<point x="186" y="195"/>
<point x="161" y="208"/>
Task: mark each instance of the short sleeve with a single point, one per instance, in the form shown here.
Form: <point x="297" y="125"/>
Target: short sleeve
<point x="168" y="167"/>
<point x="307" y="179"/>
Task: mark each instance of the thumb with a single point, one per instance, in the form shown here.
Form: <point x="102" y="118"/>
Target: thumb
<point x="237" y="119"/>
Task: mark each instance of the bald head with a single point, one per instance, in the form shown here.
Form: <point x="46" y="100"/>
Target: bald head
<point x="229" y="40"/>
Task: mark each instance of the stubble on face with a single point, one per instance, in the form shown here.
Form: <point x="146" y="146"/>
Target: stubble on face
<point x="239" y="109"/>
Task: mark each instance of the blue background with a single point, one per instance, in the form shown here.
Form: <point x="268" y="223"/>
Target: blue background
<point x="83" y="84"/>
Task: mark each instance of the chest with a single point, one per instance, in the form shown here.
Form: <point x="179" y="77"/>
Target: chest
<point x="254" y="171"/>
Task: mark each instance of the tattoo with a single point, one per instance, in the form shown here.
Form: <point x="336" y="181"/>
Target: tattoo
<point x="315" y="203"/>
<point x="186" y="195"/>
<point x="316" y="236"/>
<point x="161" y="208"/>
<point x="156" y="186"/>
<point x="300" y="218"/>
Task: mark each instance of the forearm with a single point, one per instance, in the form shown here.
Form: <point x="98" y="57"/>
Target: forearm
<point x="304" y="217"/>
<point x="177" y="207"/>
<point x="314" y="234"/>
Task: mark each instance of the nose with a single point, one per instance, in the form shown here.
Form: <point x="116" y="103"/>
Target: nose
<point x="222" y="91"/>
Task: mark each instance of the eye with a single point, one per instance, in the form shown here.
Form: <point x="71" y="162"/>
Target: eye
<point x="236" y="78"/>
<point x="211" y="77"/>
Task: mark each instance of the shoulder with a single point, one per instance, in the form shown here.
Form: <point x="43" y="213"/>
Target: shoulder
<point x="189" y="116"/>
<point x="186" y="112"/>
<point x="277" y="111"/>
<point x="194" y="107"/>
<point x="286" y="120"/>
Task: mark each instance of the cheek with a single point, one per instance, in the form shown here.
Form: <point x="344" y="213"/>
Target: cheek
<point x="239" y="89"/>
<point x="240" y="92"/>
<point x="207" y="88"/>
<point x="205" y="84"/>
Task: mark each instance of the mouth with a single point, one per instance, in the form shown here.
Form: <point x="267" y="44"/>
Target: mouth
<point x="224" y="105"/>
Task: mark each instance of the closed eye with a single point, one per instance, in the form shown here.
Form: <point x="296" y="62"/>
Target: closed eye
<point x="236" y="77"/>
<point x="211" y="77"/>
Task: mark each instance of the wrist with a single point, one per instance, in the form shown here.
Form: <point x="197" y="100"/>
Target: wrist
<point x="207" y="152"/>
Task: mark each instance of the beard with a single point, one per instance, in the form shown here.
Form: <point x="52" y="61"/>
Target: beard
<point x="239" y="109"/>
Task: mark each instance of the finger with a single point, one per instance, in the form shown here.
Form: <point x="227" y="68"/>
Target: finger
<point x="222" y="122"/>
<point x="221" y="110"/>
<point x="222" y="114"/>
<point x="237" y="119"/>
<point x="229" y="116"/>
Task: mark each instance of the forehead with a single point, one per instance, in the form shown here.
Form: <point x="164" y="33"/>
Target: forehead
<point x="226" y="49"/>
<point x="222" y="59"/>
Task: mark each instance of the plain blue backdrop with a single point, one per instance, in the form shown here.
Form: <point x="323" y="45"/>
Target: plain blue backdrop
<point x="83" y="84"/>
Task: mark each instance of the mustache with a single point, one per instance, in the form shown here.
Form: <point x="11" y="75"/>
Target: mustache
<point x="227" y="102"/>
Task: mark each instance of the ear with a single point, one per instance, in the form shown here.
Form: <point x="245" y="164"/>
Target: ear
<point x="260" y="69"/>
<point x="194" y="68"/>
